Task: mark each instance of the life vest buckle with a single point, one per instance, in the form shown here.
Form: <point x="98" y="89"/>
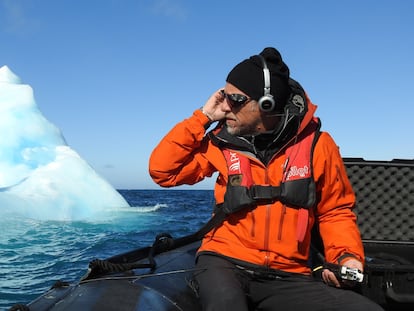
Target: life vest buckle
<point x="265" y="193"/>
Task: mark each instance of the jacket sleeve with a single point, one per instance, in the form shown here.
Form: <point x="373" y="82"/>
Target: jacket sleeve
<point x="337" y="222"/>
<point x="178" y="158"/>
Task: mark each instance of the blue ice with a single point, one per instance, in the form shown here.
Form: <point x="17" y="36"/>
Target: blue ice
<point x="41" y="177"/>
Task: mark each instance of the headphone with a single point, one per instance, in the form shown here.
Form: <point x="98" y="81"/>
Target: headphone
<point x="266" y="102"/>
<point x="296" y="104"/>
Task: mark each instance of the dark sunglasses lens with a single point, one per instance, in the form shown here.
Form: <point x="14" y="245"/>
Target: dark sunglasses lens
<point x="237" y="100"/>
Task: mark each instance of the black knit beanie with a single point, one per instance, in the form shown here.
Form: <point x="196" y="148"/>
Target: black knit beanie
<point x="248" y="77"/>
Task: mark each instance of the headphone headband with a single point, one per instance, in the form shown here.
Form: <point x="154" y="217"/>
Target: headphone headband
<point x="266" y="102"/>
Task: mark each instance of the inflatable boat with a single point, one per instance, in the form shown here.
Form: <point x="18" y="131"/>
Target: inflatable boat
<point x="159" y="277"/>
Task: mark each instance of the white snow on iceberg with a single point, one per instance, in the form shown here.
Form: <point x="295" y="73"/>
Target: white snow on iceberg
<point x="40" y="175"/>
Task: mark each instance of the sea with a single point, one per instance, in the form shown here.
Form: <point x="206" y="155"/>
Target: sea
<point x="34" y="254"/>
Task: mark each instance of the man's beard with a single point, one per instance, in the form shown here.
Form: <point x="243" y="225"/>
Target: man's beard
<point x="242" y="130"/>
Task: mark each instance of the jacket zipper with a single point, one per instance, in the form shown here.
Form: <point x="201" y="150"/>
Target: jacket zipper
<point x="252" y="230"/>
<point x="283" y="211"/>
<point x="341" y="180"/>
<point x="267" y="225"/>
<point x="282" y="218"/>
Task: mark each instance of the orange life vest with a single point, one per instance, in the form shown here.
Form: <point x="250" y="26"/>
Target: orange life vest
<point x="297" y="189"/>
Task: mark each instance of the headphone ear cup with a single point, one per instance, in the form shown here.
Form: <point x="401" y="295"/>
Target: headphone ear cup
<point x="267" y="103"/>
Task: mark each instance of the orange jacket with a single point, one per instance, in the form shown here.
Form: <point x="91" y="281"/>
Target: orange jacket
<point x="265" y="235"/>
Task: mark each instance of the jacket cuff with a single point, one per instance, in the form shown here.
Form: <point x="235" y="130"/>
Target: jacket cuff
<point x="347" y="256"/>
<point x="203" y="118"/>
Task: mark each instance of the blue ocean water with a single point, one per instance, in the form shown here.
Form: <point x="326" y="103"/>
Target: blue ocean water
<point x="34" y="254"/>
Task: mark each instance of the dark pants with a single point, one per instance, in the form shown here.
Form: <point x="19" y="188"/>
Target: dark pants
<point x="223" y="286"/>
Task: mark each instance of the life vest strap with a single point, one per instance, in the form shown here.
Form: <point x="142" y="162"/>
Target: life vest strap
<point x="261" y="193"/>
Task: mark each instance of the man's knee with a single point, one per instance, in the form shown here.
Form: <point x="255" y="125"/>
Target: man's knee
<point x="219" y="287"/>
<point x="222" y="298"/>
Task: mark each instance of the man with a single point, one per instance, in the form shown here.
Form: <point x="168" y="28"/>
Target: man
<point x="279" y="176"/>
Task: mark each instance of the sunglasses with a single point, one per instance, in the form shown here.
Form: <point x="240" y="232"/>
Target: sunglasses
<point x="235" y="100"/>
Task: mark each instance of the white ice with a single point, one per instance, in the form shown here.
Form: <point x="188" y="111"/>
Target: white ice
<point x="40" y="175"/>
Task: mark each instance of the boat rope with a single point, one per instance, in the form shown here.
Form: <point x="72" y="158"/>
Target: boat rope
<point x="162" y="243"/>
<point x="59" y="284"/>
<point x="109" y="267"/>
<point x="138" y="277"/>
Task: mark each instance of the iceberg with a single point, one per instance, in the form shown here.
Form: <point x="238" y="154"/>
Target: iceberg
<point x="41" y="177"/>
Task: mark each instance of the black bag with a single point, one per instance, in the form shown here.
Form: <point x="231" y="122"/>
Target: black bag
<point x="385" y="210"/>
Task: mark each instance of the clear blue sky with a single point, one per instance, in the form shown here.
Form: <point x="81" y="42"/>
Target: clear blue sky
<point x="116" y="75"/>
